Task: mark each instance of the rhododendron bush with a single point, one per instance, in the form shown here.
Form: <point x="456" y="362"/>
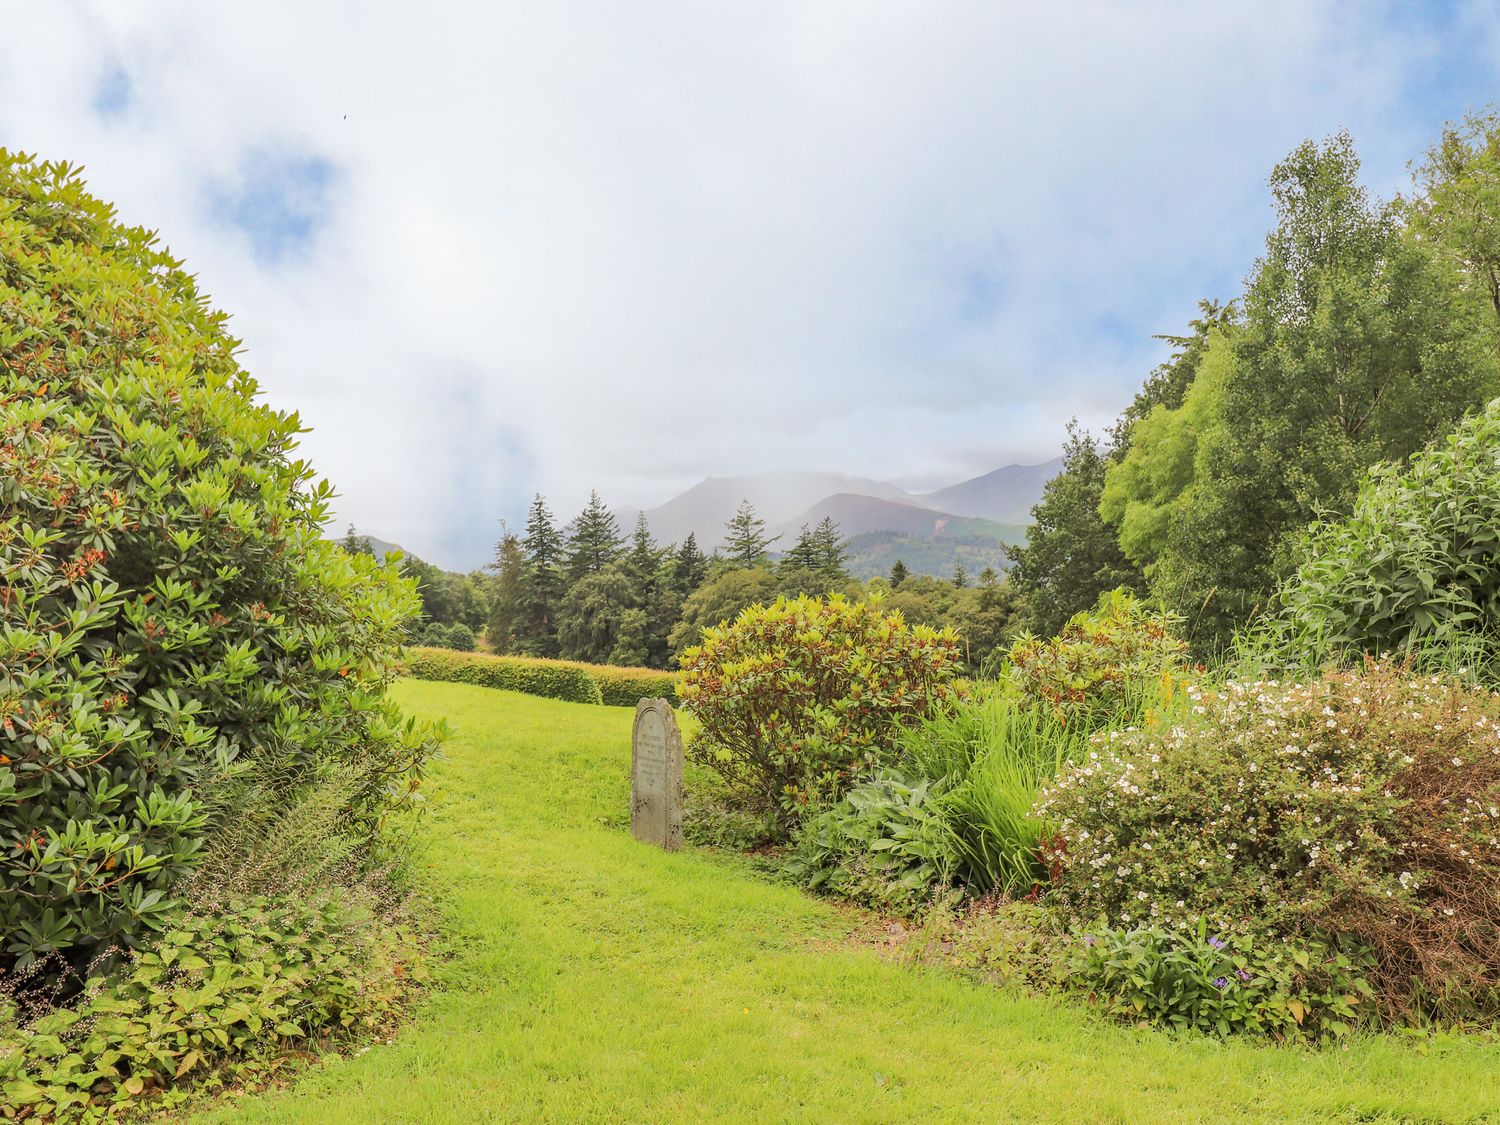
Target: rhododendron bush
<point x="1361" y="806"/>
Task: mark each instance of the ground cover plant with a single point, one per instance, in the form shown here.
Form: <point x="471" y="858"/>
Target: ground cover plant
<point x="645" y="985"/>
<point x="177" y="637"/>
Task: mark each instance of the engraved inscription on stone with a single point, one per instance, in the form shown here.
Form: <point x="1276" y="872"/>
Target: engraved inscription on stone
<point x="656" y="775"/>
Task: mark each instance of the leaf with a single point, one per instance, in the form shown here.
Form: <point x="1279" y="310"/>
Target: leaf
<point x="1298" y="1010"/>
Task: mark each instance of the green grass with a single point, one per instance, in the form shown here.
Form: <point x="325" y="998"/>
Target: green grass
<point x="597" y="979"/>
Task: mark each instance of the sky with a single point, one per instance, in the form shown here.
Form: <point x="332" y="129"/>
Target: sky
<point x="489" y="250"/>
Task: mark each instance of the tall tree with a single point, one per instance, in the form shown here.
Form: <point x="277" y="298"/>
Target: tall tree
<point x="1071" y="555"/>
<point x="960" y="576"/>
<point x="543" y="584"/>
<point x="692" y="566"/>
<point x="899" y="574"/>
<point x="830" y="551"/>
<point x="507" y="592"/>
<point x="747" y="540"/>
<point x="643" y="558"/>
<point x="1355" y="348"/>
<point x="355" y="543"/>
<point x="593" y="541"/>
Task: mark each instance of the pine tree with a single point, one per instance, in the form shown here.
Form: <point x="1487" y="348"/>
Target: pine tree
<point x="643" y="559"/>
<point x="507" y="591"/>
<point x="355" y="543"/>
<point x="804" y="553"/>
<point x="899" y="574"/>
<point x="960" y="576"/>
<point x="988" y="577"/>
<point x="542" y="584"/>
<point x="830" y="552"/>
<point x="746" y="544"/>
<point x="594" y="540"/>
<point x="692" y="566"/>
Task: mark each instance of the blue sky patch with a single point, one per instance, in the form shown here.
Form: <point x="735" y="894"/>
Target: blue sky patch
<point x="112" y="94"/>
<point x="280" y="201"/>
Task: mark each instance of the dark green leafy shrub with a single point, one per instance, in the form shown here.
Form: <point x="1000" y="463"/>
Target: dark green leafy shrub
<point x="555" y="679"/>
<point x="1362" y="806"/>
<point x="1417" y="563"/>
<point x="439" y="634"/>
<point x="885" y="843"/>
<point x="799" y="698"/>
<point x="1110" y="665"/>
<point x="170" y="613"/>
<point x="208" y="1004"/>
<point x="1224" y="985"/>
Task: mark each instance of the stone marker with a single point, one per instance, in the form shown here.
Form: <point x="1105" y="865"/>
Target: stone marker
<point x="656" y="775"/>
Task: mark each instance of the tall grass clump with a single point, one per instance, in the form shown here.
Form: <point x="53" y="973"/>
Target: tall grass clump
<point x="989" y="759"/>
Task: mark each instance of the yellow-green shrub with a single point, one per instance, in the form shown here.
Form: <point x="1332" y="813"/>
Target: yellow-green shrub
<point x="555" y="679"/>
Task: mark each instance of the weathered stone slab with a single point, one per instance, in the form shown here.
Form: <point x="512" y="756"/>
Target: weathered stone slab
<point x="656" y="775"/>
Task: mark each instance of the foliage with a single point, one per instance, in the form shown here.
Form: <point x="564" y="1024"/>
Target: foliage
<point x="505" y="626"/>
<point x="170" y="612"/>
<point x="745" y="540"/>
<point x="1414" y="565"/>
<point x="542" y="583"/>
<point x="449" y="598"/>
<point x="1071" y="556"/>
<point x="1193" y="980"/>
<point x="1357" y="344"/>
<point x="573" y="681"/>
<point x="798" y="698"/>
<point x="720" y="600"/>
<point x="886" y="843"/>
<point x="991" y="757"/>
<point x="1364" y="805"/>
<point x="1108" y="665"/>
<point x="434" y="634"/>
<point x="1458" y="207"/>
<point x="214" y="996"/>
<point x="555" y="679"/>
<point x="593" y="541"/>
<point x="592" y="612"/>
<point x="1013" y="943"/>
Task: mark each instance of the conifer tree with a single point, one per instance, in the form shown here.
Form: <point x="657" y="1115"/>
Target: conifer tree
<point x="594" y="540"/>
<point x="746" y="544"/>
<point x="507" y="592"/>
<point x="899" y="574"/>
<point x="542" y="584"/>
<point x="692" y="566"/>
<point x="804" y="552"/>
<point x="643" y="559"/>
<point x="830" y="551"/>
<point x="960" y="576"/>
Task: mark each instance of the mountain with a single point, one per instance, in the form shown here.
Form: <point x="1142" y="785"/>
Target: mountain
<point x="875" y="552"/>
<point x="857" y="515"/>
<point x="1006" y="495"/>
<point x="777" y="497"/>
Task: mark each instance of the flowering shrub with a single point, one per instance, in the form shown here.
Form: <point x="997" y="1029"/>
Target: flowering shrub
<point x="171" y="615"/>
<point x="1364" y="805"/>
<point x="800" y="697"/>
<point x="1193" y="980"/>
<point x="1108" y="664"/>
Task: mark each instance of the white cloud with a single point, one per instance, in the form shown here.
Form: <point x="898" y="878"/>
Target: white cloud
<point x="625" y="246"/>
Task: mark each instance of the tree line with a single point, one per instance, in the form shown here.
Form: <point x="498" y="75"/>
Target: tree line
<point x="1365" y="330"/>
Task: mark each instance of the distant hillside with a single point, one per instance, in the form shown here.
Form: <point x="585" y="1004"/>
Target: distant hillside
<point x="1006" y="495"/>
<point x="379" y="547"/>
<point x="857" y="515"/>
<point x="875" y="552"/>
<point x="777" y="497"/>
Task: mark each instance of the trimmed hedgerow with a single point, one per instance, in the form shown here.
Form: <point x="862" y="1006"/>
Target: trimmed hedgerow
<point x="625" y="687"/>
<point x="553" y="679"/>
<point x="217" y="1000"/>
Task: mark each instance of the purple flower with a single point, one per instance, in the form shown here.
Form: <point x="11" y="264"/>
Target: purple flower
<point x="1088" y="939"/>
<point x="1217" y="943"/>
<point x="1242" y="974"/>
<point x="1222" y="982"/>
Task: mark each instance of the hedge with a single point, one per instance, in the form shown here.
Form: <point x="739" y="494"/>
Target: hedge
<point x="556" y="679"/>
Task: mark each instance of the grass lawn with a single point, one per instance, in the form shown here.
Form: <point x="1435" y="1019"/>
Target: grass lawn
<point x="597" y="979"/>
